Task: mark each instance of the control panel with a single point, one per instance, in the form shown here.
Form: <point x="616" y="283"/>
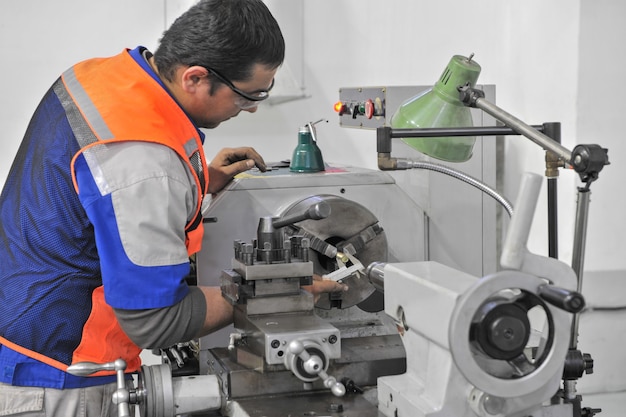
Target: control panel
<point x="362" y="107"/>
<point x="372" y="107"/>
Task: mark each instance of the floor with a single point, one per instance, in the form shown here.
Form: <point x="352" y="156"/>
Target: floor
<point x="612" y="405"/>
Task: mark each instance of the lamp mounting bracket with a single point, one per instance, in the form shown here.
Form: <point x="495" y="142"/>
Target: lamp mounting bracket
<point x="586" y="160"/>
<point x="468" y="95"/>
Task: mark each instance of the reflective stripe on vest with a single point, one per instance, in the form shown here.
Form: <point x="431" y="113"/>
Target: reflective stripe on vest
<point x="112" y="94"/>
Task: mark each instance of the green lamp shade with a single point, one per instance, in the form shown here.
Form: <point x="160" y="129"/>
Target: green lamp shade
<point x="440" y="106"/>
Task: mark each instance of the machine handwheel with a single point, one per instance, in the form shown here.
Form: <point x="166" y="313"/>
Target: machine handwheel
<point x="295" y="363"/>
<point x="493" y="341"/>
<point x="501" y="330"/>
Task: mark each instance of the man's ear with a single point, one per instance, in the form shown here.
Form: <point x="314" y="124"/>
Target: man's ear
<point x="194" y="76"/>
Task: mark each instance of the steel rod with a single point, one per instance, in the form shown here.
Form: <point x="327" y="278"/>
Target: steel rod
<point x="525" y="130"/>
<point x="553" y="229"/>
<point x="578" y="253"/>
<point x="433" y="132"/>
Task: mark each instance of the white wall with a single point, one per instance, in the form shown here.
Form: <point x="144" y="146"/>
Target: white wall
<point x="529" y="50"/>
<point x="601" y="110"/>
<point x="403" y="42"/>
<point x="39" y="39"/>
<point x="558" y="60"/>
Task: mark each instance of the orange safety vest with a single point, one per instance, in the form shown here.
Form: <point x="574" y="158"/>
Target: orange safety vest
<point x="120" y="101"/>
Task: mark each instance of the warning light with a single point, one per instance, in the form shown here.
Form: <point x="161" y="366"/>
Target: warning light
<point x="340" y="108"/>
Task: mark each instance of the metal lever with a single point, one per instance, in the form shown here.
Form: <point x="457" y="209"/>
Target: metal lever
<point x="314" y="365"/>
<point x="568" y="300"/>
<point x="121" y="396"/>
<point x="317" y="211"/>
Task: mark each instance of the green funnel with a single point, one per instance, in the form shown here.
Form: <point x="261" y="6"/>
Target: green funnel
<point x="440" y="106"/>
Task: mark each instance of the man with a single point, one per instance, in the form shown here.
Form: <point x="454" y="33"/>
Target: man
<point x="102" y="207"/>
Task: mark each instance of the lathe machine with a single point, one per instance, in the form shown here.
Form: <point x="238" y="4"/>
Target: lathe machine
<point x="411" y="337"/>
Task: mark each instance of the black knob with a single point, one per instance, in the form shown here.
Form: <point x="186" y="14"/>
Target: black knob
<point x="568" y="300"/>
<point x="501" y="330"/>
<point x="577" y="364"/>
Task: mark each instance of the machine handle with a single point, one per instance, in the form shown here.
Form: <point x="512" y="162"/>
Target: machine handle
<point x="317" y="211"/>
<point x="121" y="396"/>
<point x="568" y="300"/>
<point x="314" y="365"/>
<point x="88" y="368"/>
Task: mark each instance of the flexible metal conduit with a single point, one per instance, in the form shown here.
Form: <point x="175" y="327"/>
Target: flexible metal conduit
<point x="467" y="179"/>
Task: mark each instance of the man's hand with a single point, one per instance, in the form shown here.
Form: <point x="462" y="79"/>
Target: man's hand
<point x="321" y="286"/>
<point x="229" y="162"/>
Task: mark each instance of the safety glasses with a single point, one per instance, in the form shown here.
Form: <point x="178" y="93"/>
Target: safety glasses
<point x="246" y="100"/>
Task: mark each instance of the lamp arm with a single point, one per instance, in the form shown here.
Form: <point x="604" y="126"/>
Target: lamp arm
<point x="587" y="160"/>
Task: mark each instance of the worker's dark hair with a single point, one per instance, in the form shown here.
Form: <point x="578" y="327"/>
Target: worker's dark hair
<point x="229" y="36"/>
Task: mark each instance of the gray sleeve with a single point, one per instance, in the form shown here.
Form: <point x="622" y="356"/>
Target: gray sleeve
<point x="154" y="195"/>
<point x="163" y="327"/>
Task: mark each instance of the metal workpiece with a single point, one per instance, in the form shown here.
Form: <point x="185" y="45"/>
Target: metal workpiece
<point x="375" y="272"/>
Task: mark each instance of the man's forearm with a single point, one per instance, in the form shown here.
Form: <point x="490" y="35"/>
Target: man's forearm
<point x="219" y="312"/>
<point x="162" y="327"/>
